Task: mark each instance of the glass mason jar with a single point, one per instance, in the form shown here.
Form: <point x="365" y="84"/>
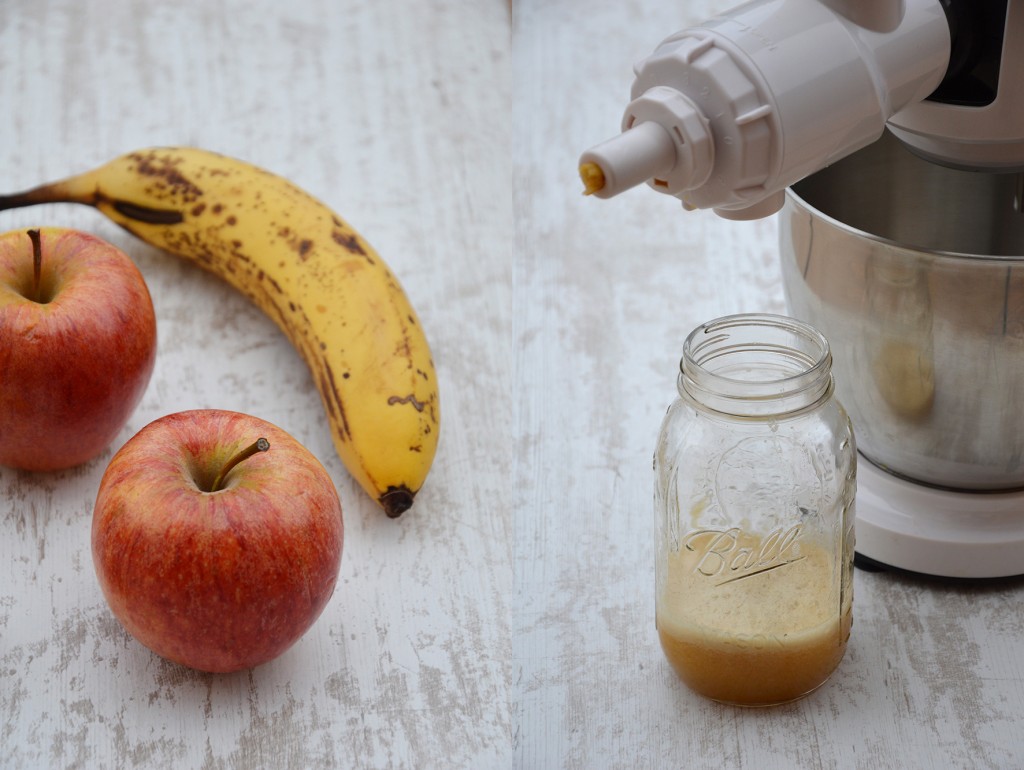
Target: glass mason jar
<point x="754" y="496"/>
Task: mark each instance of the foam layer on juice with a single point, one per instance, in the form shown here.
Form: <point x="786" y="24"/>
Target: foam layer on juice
<point x="760" y="637"/>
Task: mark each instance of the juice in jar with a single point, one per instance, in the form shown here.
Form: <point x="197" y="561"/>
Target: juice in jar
<point x="753" y="625"/>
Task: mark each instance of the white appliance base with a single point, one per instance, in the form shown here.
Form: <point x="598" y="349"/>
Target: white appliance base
<point x="936" y="531"/>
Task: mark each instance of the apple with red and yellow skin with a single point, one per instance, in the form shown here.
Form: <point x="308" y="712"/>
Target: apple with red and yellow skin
<point x="77" y="346"/>
<point x="216" y="538"/>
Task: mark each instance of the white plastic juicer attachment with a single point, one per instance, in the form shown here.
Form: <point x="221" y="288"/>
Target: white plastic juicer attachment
<point x="728" y="114"/>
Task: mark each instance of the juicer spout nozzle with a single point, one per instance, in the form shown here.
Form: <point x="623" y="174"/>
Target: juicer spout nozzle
<point x="624" y="161"/>
<point x="665" y="141"/>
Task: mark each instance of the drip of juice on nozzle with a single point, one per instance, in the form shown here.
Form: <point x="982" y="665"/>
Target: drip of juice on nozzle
<point x="592" y="177"/>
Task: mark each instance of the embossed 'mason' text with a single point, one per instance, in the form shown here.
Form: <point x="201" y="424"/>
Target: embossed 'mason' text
<point x="720" y="554"/>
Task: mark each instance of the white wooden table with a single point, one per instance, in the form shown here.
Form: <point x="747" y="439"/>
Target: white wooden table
<point x="386" y="110"/>
<point x="605" y="293"/>
<point x="507" y="620"/>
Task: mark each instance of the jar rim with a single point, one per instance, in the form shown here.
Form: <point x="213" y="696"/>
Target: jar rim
<point x="808" y="363"/>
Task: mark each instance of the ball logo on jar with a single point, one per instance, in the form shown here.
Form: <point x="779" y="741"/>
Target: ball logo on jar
<point x="728" y="555"/>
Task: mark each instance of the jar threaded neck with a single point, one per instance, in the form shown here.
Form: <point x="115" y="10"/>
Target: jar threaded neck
<point x="756" y="365"/>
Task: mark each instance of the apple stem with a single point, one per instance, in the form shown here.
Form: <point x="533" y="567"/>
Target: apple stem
<point x="260" y="445"/>
<point x="37" y="262"/>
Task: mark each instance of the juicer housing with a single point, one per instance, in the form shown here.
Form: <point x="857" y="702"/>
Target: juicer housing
<point x="728" y="114"/>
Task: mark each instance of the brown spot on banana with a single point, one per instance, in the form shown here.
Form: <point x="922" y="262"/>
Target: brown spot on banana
<point x="147" y="215"/>
<point x="163" y="169"/>
<point x="324" y="388"/>
<point x="350" y="242"/>
<point x="346" y="431"/>
<point x="410" y="399"/>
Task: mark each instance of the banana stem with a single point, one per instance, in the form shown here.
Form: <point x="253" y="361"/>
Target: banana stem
<point x="260" y="445"/>
<point x="48" y="193"/>
<point x="75" y="190"/>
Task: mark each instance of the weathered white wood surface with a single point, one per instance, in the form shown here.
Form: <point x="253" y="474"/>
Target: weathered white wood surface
<point x="605" y="292"/>
<point x="507" y="620"/>
<point x="395" y="114"/>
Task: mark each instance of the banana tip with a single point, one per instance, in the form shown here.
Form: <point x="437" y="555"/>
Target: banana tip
<point x="396" y="501"/>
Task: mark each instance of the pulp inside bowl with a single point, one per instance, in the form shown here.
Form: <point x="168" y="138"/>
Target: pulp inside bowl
<point x="915" y="274"/>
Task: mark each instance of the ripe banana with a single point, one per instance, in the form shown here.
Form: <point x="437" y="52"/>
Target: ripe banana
<point x="325" y="287"/>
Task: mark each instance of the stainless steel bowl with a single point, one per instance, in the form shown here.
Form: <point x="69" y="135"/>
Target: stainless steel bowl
<point x="915" y="274"/>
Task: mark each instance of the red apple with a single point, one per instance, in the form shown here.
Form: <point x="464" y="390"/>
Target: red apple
<point x="213" y="553"/>
<point x="77" y="346"/>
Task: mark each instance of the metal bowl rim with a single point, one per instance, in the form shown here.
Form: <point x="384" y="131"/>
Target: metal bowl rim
<point x="801" y="203"/>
